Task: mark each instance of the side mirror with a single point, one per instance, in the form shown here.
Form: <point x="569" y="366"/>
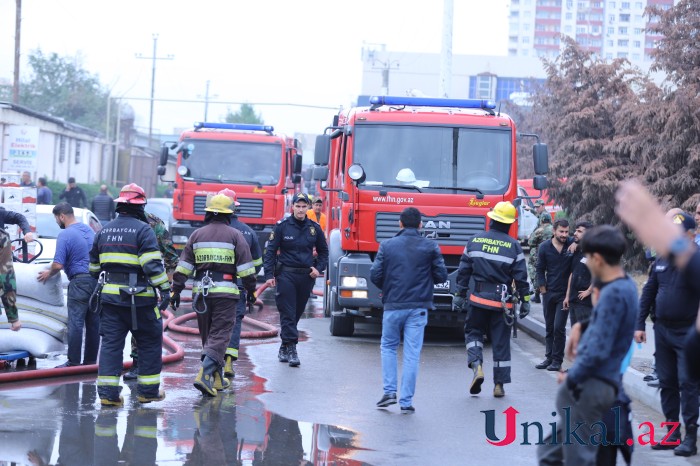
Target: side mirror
<point x="161" y="170"/>
<point x="539" y="182"/>
<point x="296" y="178"/>
<point x="319" y="173"/>
<point x="164" y="152"/>
<point x="540" y="158"/>
<point x="322" y="150"/>
<point x="297" y="164"/>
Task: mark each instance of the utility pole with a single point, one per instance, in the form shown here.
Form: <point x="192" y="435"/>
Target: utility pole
<point x="154" y="57"/>
<point x="18" y="22"/>
<point x="446" y="52"/>
<point x="207" y="97"/>
<point x="386" y="67"/>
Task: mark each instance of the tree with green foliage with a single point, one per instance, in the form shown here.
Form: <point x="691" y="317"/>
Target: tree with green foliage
<point x="59" y="86"/>
<point x="246" y="114"/>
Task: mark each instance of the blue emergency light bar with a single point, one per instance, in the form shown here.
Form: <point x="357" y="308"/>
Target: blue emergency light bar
<point x="239" y="126"/>
<point x="431" y="102"/>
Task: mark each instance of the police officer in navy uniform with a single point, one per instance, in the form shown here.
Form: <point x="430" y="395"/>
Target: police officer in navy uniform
<point x="493" y="260"/>
<point x="294" y="270"/>
<point x="126" y="258"/>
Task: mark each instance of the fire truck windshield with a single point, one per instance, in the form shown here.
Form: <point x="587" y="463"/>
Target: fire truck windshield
<point x="233" y="161"/>
<point x="437" y="157"/>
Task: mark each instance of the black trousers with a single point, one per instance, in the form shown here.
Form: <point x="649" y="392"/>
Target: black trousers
<point x="555" y="325"/>
<point x="482" y="321"/>
<point x="679" y="392"/>
<point x="293" y="291"/>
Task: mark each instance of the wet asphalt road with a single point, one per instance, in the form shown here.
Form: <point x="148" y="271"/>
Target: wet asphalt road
<point x="320" y="413"/>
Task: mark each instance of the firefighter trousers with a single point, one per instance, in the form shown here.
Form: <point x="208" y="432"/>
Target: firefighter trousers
<point x="483" y="321"/>
<point x="115" y="323"/>
<point x="293" y="291"/>
<point x="215" y="327"/>
<point x="235" y="342"/>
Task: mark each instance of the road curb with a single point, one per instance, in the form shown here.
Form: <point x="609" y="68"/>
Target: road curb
<point x="633" y="380"/>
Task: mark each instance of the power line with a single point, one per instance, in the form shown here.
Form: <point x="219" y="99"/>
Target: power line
<point x="223" y="102"/>
<point x="153" y="81"/>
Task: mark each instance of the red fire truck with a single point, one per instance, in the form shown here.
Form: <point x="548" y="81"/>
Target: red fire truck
<point x="453" y="159"/>
<point x="262" y="167"/>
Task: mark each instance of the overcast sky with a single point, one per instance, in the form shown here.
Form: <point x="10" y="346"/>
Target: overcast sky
<point x="286" y="51"/>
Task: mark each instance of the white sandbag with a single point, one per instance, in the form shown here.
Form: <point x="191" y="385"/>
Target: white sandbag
<point x="49" y="292"/>
<point x="59" y="313"/>
<point x="36" y="342"/>
<point x="38" y="321"/>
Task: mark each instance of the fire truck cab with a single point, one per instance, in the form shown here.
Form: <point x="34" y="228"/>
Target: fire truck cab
<point x="453" y="159"/>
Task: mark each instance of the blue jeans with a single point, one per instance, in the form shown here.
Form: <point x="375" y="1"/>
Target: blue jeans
<point x="79" y="316"/>
<point x="412" y="322"/>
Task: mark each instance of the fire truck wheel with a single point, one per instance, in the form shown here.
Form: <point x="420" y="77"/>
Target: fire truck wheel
<point x="342" y="325"/>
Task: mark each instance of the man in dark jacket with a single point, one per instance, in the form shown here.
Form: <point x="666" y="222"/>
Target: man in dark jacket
<point x="103" y="205"/>
<point x="493" y="260"/>
<point x="676" y="306"/>
<point x="580" y="286"/>
<point x="407" y="282"/>
<point x="74" y="195"/>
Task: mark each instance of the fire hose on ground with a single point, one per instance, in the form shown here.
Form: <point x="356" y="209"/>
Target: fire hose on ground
<point x="177" y="353"/>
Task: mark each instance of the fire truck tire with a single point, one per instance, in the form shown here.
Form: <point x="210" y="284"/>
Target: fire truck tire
<point x="342" y="325"/>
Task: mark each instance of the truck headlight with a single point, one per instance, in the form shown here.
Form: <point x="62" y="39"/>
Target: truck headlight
<point x="353" y="282"/>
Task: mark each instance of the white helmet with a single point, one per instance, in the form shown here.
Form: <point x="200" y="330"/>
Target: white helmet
<point x="406" y="175"/>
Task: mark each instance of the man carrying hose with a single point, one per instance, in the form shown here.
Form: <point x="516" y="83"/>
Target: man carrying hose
<point x="216" y="255"/>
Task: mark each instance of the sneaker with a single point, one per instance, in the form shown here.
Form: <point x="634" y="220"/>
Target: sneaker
<point x="107" y="403"/>
<point x="544" y="364"/>
<point x="282" y="355"/>
<point x="149" y="399"/>
<point x="498" y="391"/>
<point x="293" y="356"/>
<point x="387" y="400"/>
<point x="407" y="410"/>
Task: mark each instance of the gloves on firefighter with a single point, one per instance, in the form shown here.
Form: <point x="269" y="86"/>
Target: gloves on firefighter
<point x="251" y="299"/>
<point x="164" y="300"/>
<point x="459" y="303"/>
<point x="175" y="301"/>
<point x="524" y="310"/>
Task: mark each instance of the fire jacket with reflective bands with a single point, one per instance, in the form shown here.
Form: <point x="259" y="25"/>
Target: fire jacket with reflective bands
<point x="128" y="246"/>
<point x="492" y="258"/>
<point x="224" y="253"/>
<point x="252" y="239"/>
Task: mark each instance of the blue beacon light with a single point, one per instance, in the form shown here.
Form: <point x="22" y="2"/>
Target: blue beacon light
<point x="238" y="126"/>
<point x="432" y="102"/>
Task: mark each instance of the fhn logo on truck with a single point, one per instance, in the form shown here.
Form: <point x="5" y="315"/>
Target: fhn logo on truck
<point x="261" y="166"/>
<point x="453" y="159"/>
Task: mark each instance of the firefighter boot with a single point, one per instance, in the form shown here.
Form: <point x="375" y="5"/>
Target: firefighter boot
<point x="149" y="399"/>
<point x="478" y="379"/>
<point x="293" y="357"/>
<point x="228" y="367"/>
<point x="282" y="355"/>
<point x="220" y="381"/>
<point x="673" y="440"/>
<point x="689" y="445"/>
<point x="536" y="298"/>
<point x="498" y="391"/>
<point x="133" y="373"/>
<point x="107" y="403"/>
<point x="204" y="382"/>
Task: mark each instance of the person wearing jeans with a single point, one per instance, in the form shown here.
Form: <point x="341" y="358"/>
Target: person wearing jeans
<point x="73" y="257"/>
<point x="407" y="282"/>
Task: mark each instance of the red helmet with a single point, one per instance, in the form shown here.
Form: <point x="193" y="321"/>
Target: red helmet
<point x="131" y="194"/>
<point x="231" y="194"/>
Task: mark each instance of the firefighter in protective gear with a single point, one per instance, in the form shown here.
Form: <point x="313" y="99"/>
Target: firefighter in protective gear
<point x="494" y="260"/>
<point x="216" y="255"/>
<point x="126" y="260"/>
<point x="245" y="298"/>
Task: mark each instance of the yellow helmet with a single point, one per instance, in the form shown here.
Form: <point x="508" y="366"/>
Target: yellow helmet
<point x="504" y="212"/>
<point x="219" y="203"/>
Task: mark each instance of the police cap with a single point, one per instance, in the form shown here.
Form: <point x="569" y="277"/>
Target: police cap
<point x="301" y="197"/>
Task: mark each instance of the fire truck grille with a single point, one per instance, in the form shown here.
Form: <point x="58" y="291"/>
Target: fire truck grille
<point x="251" y="208"/>
<point x="447" y="230"/>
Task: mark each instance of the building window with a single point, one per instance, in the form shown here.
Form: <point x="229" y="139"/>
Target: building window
<point x="622" y="31"/>
<point x="569" y="16"/>
<point x="612" y="5"/>
<point x="485" y="86"/>
<point x="567" y="28"/>
<point x="525" y="52"/>
<point x="635" y="56"/>
<point x="623" y="43"/>
<point x="580" y="29"/>
<point x="608" y="56"/>
<point x="611" y="31"/>
<point x="611" y="18"/>
<point x="621" y="54"/>
<point x="526" y="27"/>
<point x="639" y="19"/>
<point x="611" y="43"/>
<point x="526" y="40"/>
<point x="62" y="150"/>
<point x="77" y="152"/>
<point x="596" y="4"/>
<point x="625" y="5"/>
<point x="637" y="31"/>
<point x="637" y="44"/>
<point x="638" y="5"/>
<point x="624" y="18"/>
<point x="595" y="29"/>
